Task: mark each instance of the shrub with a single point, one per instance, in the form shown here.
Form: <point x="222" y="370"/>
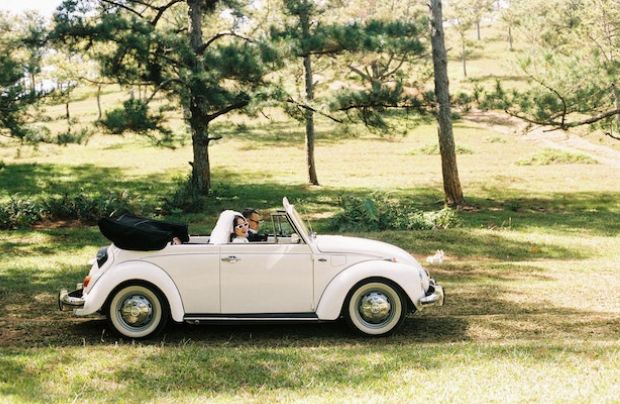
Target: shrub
<point x="19" y="213"/>
<point x="433" y="150"/>
<point x="81" y="136"/>
<point x="552" y="156"/>
<point x="133" y="116"/>
<point x="380" y="212"/>
<point x="183" y="199"/>
<point x="84" y="208"/>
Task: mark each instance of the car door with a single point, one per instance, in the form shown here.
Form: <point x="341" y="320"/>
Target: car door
<point x="266" y="278"/>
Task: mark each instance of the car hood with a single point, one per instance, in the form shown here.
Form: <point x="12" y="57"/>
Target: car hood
<point x="363" y="246"/>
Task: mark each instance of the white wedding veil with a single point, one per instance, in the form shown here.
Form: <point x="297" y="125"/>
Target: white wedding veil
<point x="224" y="227"/>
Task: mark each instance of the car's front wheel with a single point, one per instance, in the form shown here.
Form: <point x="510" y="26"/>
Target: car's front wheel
<point x="138" y="311"/>
<point x="375" y="308"/>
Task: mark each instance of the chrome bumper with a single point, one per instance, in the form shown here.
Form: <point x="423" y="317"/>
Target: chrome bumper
<point x="434" y="297"/>
<point x="73" y="300"/>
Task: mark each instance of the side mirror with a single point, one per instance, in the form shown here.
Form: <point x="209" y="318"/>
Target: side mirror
<point x="295" y="239"/>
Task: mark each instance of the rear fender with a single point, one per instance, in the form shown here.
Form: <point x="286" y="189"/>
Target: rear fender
<point x="139" y="271"/>
<point x="333" y="297"/>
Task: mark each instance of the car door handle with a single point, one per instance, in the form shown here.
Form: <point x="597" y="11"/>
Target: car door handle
<point x="231" y="258"/>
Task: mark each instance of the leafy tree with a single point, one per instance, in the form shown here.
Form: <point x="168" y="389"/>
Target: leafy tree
<point x="572" y="62"/>
<point x="464" y="15"/>
<point x="189" y="50"/>
<point x="311" y="35"/>
<point x="16" y="97"/>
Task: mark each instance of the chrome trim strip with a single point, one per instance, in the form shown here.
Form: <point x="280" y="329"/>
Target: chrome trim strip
<point x="250" y="319"/>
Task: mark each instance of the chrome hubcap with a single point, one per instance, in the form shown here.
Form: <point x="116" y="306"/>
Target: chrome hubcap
<point x="375" y="307"/>
<point x="136" y="311"/>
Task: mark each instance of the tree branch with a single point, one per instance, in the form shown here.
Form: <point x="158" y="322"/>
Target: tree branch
<point x="358" y="71"/>
<point x="160" y="86"/>
<point x="227" y="109"/>
<point x="220" y="35"/>
<point x="113" y="3"/>
<point x="161" y="10"/>
<point x="290" y="100"/>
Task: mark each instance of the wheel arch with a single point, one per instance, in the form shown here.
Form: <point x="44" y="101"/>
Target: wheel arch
<point x="133" y="272"/>
<point x="334" y="295"/>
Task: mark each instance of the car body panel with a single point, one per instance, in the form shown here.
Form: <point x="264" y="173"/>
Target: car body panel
<point x="266" y="278"/>
<point x="133" y="271"/>
<point x="335" y="292"/>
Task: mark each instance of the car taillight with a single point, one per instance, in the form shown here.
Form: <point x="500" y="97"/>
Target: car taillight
<point x="86" y="281"/>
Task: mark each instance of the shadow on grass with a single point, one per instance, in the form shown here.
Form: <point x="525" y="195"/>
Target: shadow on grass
<point x="202" y="371"/>
<point x="464" y="243"/>
<point x="35" y="180"/>
<point x="574" y="212"/>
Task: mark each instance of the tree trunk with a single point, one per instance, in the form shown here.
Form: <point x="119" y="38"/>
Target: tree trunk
<point x="312" y="177"/>
<point x="68" y="116"/>
<point x="201" y="172"/>
<point x="463" y="55"/>
<point x="616" y="95"/>
<point x="33" y="83"/>
<point x="99" y="102"/>
<point x="510" y="38"/>
<point x="478" y="28"/>
<point x="451" y="182"/>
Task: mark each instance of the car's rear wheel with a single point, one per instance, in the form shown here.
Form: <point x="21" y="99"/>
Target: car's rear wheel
<point x="375" y="308"/>
<point x="138" y="311"/>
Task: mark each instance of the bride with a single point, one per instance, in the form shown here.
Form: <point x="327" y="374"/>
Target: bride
<point x="231" y="227"/>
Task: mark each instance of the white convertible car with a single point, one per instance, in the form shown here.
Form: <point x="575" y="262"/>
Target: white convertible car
<point x="295" y="276"/>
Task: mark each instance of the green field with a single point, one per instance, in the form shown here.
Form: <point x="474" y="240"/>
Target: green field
<point x="532" y="274"/>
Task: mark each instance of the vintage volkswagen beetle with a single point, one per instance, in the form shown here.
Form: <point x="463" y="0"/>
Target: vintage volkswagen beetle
<point x="294" y="276"/>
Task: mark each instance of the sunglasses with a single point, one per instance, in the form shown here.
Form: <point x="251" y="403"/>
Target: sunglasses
<point x="255" y="221"/>
<point x="241" y="226"/>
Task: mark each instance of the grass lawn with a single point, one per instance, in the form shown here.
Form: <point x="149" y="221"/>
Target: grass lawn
<point x="532" y="313"/>
<point x="532" y="275"/>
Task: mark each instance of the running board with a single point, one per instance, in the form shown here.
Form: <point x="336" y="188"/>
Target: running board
<point x="250" y="318"/>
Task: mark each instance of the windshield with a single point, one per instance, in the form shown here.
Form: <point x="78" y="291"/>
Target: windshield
<point x="299" y="221"/>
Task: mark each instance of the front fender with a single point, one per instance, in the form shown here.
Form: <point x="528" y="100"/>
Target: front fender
<point x="405" y="276"/>
<point x="129" y="271"/>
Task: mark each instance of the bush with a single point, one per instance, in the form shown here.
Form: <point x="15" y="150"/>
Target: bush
<point x="19" y="213"/>
<point x="133" y="116"/>
<point x="552" y="156"/>
<point x="380" y="212"/>
<point x="183" y="199"/>
<point x="81" y="136"/>
<point x="433" y="150"/>
<point x="84" y="208"/>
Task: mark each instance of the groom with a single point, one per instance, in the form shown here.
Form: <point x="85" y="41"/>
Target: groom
<point x="254" y="221"/>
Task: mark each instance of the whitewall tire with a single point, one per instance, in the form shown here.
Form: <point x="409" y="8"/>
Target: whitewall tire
<point x="375" y="308"/>
<point x="138" y="311"/>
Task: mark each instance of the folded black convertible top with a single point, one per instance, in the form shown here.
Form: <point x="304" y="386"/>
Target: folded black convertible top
<point x="131" y="232"/>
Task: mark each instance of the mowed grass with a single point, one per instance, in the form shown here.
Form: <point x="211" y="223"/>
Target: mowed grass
<point x="532" y="313"/>
<point x="532" y="275"/>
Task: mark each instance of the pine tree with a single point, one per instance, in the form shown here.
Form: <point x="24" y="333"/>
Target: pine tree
<point x="310" y="34"/>
<point x="184" y="49"/>
<point x="572" y="62"/>
<point x="18" y="93"/>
